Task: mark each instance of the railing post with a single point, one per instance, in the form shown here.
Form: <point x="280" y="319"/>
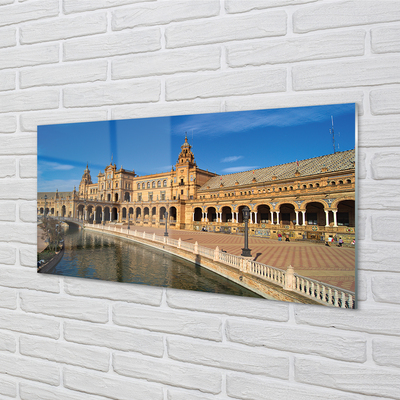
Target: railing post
<point x="196" y="248"/>
<point x="179" y="243"/>
<point x="154" y="237"/>
<point x="216" y="254"/>
<point x="289" y="278"/>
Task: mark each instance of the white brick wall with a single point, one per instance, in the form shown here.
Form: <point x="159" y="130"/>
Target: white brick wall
<point x="86" y="60"/>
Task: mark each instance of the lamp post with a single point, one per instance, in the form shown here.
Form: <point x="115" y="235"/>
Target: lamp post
<point x="246" y="252"/>
<point x="166" y="223"/>
<point x="129" y="220"/>
<point x="45" y="204"/>
<point x="85" y="212"/>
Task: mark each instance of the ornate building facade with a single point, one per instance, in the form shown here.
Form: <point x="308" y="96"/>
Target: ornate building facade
<point x="307" y="199"/>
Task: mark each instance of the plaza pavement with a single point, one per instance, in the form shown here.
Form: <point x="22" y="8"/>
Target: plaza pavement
<point x="332" y="265"/>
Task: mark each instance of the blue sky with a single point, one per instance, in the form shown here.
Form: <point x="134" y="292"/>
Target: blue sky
<point x="222" y="142"/>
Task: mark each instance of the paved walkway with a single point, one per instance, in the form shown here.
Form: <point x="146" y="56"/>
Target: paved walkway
<point x="333" y="265"/>
<point x="41" y="244"/>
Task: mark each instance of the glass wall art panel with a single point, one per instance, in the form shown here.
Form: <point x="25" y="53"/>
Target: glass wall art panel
<point x="258" y="203"/>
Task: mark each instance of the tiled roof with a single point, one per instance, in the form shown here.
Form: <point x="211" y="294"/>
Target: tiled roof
<point x="51" y="195"/>
<point x="333" y="162"/>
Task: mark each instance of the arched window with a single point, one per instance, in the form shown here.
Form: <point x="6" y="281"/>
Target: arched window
<point x="153" y="184"/>
<point x="148" y="185"/>
<point x="138" y="185"/>
<point x="143" y="185"/>
<point x="348" y="181"/>
<point x="165" y="183"/>
<point x="159" y="184"/>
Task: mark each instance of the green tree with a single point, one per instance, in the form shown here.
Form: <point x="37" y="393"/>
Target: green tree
<point x="53" y="233"/>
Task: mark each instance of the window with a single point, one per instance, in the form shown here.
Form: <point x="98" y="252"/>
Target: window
<point x="148" y="185"/>
<point x="162" y="195"/>
<point x="153" y="184"/>
<point x="311" y="218"/>
<point x="343" y="218"/>
<point x="139" y="197"/>
<point x="143" y="185"/>
<point x="116" y="184"/>
<point x="151" y="196"/>
<point x="165" y="183"/>
<point x="191" y="178"/>
<point x="138" y="185"/>
<point x="159" y="184"/>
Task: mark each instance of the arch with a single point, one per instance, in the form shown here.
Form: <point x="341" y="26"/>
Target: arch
<point x="146" y="213"/>
<point x="263" y="213"/>
<point x="164" y="183"/>
<point x="153" y="213"/>
<point x="124" y="213"/>
<point x="98" y="215"/>
<point x="52" y="211"/>
<point x="106" y="213"/>
<point x="127" y="196"/>
<point x="172" y="214"/>
<point x="211" y="214"/>
<point x="138" y="213"/>
<point x="226" y="214"/>
<point x="114" y="214"/>
<point x="346" y="213"/>
<point x="63" y="211"/>
<point x="116" y="197"/>
<point x="161" y="213"/>
<point x="130" y="211"/>
<point x="287" y="216"/>
<point x="90" y="215"/>
<point x="108" y="197"/>
<point x="315" y="214"/>
<point x="197" y="214"/>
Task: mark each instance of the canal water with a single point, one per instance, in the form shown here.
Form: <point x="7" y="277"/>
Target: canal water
<point x="95" y="255"/>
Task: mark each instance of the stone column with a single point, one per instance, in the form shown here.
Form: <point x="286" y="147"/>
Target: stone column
<point x="304" y="218"/>
<point x="102" y="216"/>
<point x="277" y="217"/>
<point x="334" y="218"/>
<point x="326" y="217"/>
<point x="272" y="218"/>
<point x="255" y="217"/>
<point x="297" y="217"/>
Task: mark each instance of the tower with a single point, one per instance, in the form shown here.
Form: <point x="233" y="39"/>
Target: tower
<point x="85" y="182"/>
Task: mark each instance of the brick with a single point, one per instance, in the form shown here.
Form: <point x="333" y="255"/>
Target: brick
<point x="63" y="28"/>
<point x="28" y="256"/>
<point x="344" y="13"/>
<point x="244" y="307"/>
<point x="379" y="131"/>
<point x="66" y="307"/>
<point x="255" y="388"/>
<point x="111" y="386"/>
<point x="373" y="320"/>
<point x="385" y="39"/>
<point x="8" y="37"/>
<point x="8" y="124"/>
<point x="225" y="84"/>
<point x="168" y="62"/>
<point x="7" y="211"/>
<point x="7" y="256"/>
<point x="4" y="2"/>
<point x="385" y="165"/>
<point x="165" y="109"/>
<point x="31" y="120"/>
<point x="24" y="367"/>
<point x="378" y="256"/>
<point x="282" y="100"/>
<point x="384" y="288"/>
<point x="19" y="278"/>
<point x="30" y="324"/>
<point x="229" y="357"/>
<point x="342" y="44"/>
<point x="114" y="291"/>
<point x="297" y="340"/>
<point x="348" y="377"/>
<point x="361" y="223"/>
<point x="7" y="80"/>
<point x="353" y="73"/>
<point x="219" y="30"/>
<point x="168" y="372"/>
<point x="65" y="73"/>
<point x="383" y="227"/>
<point x="66" y="353"/>
<point x="71" y="6"/>
<point x="162" y="13"/>
<point x="28" y="168"/>
<point x="116" y="93"/>
<point x="8" y="342"/>
<point x="180" y="394"/>
<point x="182" y="323"/>
<point x="385" y="101"/>
<point x="18" y="13"/>
<point x="8" y="167"/>
<point x="362" y="168"/>
<point x="237" y="6"/>
<point x="24" y="56"/>
<point x="8" y="298"/>
<point x="15" y="232"/>
<point x="29" y="391"/>
<point x="128" y="42"/>
<point x="8" y="387"/>
<point x="27" y="100"/>
<point x="114" y="338"/>
<point x="386" y="352"/>
<point x="18" y="189"/>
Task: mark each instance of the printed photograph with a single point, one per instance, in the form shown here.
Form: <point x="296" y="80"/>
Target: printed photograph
<point x="258" y="203"/>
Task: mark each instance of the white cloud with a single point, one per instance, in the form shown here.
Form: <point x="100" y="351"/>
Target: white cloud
<point x="231" y="159"/>
<point x="60" y="184"/>
<point x="55" y="166"/>
<point x="239" y="169"/>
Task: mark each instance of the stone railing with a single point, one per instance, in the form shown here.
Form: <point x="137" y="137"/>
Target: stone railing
<point x="288" y="280"/>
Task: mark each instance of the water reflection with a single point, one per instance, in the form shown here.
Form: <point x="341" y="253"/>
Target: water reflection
<point x="98" y="256"/>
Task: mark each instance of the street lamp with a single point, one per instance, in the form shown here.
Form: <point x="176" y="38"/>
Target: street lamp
<point x="166" y="223"/>
<point x="85" y="213"/>
<point x="129" y="220"/>
<point x="246" y="252"/>
<point x="45" y="204"/>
